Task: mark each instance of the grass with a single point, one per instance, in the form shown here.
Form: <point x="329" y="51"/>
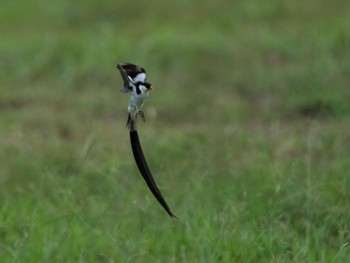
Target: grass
<point x="246" y="132"/>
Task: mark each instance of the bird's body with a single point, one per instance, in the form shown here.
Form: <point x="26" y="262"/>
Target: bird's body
<point x="135" y="104"/>
<point x="134" y="78"/>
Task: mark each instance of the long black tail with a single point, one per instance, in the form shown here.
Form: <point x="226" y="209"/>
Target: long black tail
<point x="144" y="170"/>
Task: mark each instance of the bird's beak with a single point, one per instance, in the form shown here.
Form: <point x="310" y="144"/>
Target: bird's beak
<point x="150" y="88"/>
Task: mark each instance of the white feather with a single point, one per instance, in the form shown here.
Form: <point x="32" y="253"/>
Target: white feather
<point x="136" y="101"/>
<point x="141" y="77"/>
<point x="130" y="79"/>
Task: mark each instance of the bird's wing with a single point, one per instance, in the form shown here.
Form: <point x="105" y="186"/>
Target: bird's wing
<point x="137" y="73"/>
<point x="126" y="78"/>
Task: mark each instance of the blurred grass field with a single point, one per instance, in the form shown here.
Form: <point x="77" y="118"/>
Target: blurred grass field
<point x="247" y="131"/>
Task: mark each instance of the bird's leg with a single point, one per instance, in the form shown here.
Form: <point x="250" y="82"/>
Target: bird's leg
<point x="142" y="115"/>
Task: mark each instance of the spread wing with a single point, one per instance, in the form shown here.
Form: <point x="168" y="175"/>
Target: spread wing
<point x="136" y="73"/>
<point x="126" y="78"/>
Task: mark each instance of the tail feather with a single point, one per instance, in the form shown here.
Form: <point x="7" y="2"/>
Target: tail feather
<point x="130" y="124"/>
<point x="143" y="167"/>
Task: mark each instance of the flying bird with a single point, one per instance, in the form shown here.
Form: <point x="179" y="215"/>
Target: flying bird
<point x="134" y="78"/>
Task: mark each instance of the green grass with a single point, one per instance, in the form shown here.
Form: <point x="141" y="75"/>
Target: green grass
<point x="247" y="131"/>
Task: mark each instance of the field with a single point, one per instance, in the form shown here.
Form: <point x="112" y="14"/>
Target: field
<point x="247" y="131"/>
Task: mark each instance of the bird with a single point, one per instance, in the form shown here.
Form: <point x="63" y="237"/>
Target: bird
<point x="134" y="81"/>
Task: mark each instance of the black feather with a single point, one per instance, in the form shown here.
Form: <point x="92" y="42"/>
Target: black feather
<point x="131" y="69"/>
<point x="130" y="124"/>
<point x="146" y="173"/>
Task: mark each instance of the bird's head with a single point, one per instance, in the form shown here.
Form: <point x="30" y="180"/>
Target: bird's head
<point x="148" y="86"/>
<point x="144" y="86"/>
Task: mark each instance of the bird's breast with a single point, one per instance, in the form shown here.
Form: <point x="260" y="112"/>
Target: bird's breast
<point x="136" y="101"/>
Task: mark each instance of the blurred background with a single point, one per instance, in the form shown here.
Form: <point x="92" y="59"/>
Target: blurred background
<point x="247" y="131"/>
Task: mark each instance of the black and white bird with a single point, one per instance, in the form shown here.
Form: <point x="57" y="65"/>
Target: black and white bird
<point x="134" y="78"/>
